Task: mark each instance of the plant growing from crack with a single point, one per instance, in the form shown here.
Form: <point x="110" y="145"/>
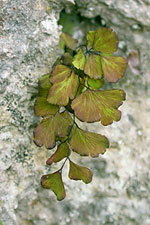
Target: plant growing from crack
<point x="73" y="89"/>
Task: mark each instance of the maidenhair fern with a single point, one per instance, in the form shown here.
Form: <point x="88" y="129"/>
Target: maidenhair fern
<point x="74" y="85"/>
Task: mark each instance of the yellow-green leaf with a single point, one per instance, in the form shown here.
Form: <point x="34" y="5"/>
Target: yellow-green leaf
<point x="105" y="40"/>
<point x="54" y="126"/>
<point x="95" y="83"/>
<point x="61" y="152"/>
<point x="113" y="67"/>
<point x="93" y="67"/>
<point x="44" y="81"/>
<point x="79" y="60"/>
<point x="77" y="172"/>
<point x="44" y="85"/>
<point x="62" y="91"/>
<point x="91" y="106"/>
<point x="61" y="43"/>
<point x="43" y="108"/>
<point x="87" y="143"/>
<point x="90" y="38"/>
<point x="54" y="182"/>
<point x="69" y="41"/>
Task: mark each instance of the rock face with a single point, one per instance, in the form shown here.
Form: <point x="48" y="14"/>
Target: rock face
<point x="119" y="193"/>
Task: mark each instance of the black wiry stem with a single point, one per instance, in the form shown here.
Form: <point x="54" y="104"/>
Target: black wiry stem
<point x="71" y="127"/>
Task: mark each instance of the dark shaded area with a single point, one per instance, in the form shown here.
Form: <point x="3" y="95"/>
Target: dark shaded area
<point x="73" y="22"/>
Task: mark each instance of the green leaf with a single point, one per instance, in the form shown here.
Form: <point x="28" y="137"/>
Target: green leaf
<point x="54" y="126"/>
<point x="61" y="152"/>
<point x="44" y="85"/>
<point x="90" y="38"/>
<point x="69" y="41"/>
<point x="62" y="91"/>
<point x="61" y="43"/>
<point x="54" y="182"/>
<point x="105" y="41"/>
<point x="43" y="108"/>
<point x="79" y="60"/>
<point x="61" y="139"/>
<point x="43" y="92"/>
<point x="95" y="83"/>
<point x="113" y="67"/>
<point x="91" y="106"/>
<point x="93" y="67"/>
<point x="86" y="143"/>
<point x="77" y="172"/>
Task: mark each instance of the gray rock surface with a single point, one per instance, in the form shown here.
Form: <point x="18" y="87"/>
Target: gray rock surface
<point x="120" y="191"/>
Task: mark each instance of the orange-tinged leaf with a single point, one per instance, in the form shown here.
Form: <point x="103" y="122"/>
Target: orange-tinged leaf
<point x="91" y="106"/>
<point x="44" y="133"/>
<point x="54" y="126"/>
<point x="79" y="60"/>
<point x="113" y="67"/>
<point x="43" y="108"/>
<point x="87" y="143"/>
<point x="61" y="92"/>
<point x="77" y="172"/>
<point x="59" y="73"/>
<point x="105" y="41"/>
<point x="61" y="152"/>
<point x="93" y="67"/>
<point x="54" y="182"/>
<point x="90" y="38"/>
<point x="69" y="41"/>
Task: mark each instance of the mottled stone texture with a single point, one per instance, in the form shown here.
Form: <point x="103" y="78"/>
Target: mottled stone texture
<point x="120" y="191"/>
